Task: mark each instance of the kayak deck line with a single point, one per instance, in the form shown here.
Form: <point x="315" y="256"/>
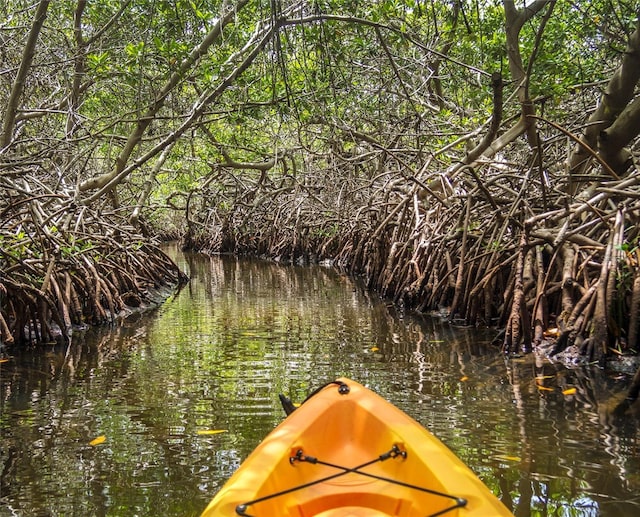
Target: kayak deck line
<point x="303" y="467"/>
<point x="395" y="452"/>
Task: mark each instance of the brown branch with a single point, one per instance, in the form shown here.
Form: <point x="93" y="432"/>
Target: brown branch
<point x="619" y="91"/>
<point x="120" y="170"/>
<point x="612" y="140"/>
<point x="17" y="88"/>
<point x="496" y="119"/>
<point x="581" y="143"/>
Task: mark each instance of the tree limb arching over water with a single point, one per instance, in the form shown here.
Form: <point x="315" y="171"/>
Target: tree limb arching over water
<point x="472" y="157"/>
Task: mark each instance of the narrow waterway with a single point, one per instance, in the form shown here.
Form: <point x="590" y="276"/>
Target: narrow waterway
<point x="121" y="423"/>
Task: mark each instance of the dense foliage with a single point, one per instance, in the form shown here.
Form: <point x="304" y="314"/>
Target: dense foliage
<point x="474" y="155"/>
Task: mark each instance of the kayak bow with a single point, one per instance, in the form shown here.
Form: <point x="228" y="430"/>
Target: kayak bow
<point x="348" y="452"/>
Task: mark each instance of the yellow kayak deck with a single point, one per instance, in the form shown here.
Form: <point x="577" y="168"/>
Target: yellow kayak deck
<point x="348" y="452"/>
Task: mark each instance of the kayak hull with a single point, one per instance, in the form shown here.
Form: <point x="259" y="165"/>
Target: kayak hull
<point x="346" y="451"/>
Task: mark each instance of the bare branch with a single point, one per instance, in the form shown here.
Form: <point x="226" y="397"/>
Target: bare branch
<point x="21" y="77"/>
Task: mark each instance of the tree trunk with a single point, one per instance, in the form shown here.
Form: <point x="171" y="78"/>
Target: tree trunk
<point x="17" y="88"/>
<point x="154" y="107"/>
<point x="613" y="139"/>
<point x="617" y="95"/>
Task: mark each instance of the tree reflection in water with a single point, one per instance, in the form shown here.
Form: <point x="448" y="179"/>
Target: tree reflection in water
<point x="215" y="355"/>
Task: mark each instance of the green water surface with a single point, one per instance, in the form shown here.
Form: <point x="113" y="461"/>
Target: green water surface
<point x="214" y="357"/>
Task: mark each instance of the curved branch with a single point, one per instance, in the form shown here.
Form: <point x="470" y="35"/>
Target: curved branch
<point x="120" y="170"/>
<point x="615" y="98"/>
<point x="8" y="124"/>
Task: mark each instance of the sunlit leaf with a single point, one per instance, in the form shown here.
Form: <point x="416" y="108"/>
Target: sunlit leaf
<point x="544" y="388"/>
<point x="374" y="349"/>
<point x="4" y="360"/>
<point x="211" y="431"/>
<point x="98" y="440"/>
<point x="509" y="458"/>
<point x="464" y="378"/>
<point x="569" y="391"/>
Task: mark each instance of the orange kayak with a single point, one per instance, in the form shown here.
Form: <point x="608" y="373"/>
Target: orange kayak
<point x="348" y="452"/>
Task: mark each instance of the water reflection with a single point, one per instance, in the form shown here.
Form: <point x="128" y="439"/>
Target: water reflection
<point x="215" y="356"/>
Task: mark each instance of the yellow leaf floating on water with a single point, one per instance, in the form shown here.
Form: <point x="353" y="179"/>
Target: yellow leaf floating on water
<point x="98" y="440"/>
<point x="569" y="391"/>
<point x="464" y="378"/>
<point x="211" y="431"/>
<point x="374" y="349"/>
<point x="509" y="458"/>
<point x="544" y="388"/>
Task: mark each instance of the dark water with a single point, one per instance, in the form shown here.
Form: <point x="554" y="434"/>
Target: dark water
<point x="215" y="356"/>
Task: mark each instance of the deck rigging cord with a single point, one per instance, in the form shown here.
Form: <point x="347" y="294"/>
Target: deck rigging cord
<point x="299" y="456"/>
<point x="394" y="452"/>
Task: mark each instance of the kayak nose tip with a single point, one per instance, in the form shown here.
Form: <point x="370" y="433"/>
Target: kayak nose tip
<point x="343" y="388"/>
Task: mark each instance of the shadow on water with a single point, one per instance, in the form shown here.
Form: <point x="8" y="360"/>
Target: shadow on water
<point x="214" y="356"/>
